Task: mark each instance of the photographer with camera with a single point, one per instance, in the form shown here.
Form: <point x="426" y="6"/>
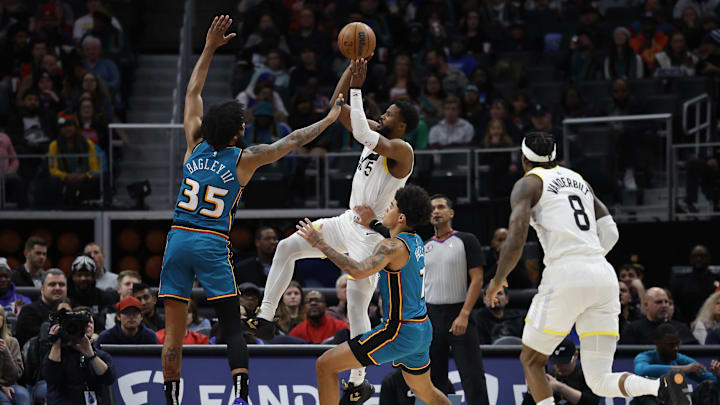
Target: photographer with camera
<point x="76" y="373"/>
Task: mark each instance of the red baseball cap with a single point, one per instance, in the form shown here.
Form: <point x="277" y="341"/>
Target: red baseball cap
<point x="48" y="10"/>
<point x="128" y="302"/>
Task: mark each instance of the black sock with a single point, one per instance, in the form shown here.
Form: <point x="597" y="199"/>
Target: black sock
<point x="172" y="392"/>
<point x="240" y="382"/>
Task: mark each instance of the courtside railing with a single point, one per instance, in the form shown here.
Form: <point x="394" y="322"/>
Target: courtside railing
<point x="690" y="195"/>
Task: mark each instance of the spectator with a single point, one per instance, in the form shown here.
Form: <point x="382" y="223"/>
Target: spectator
<point x="701" y="8"/>
<point x="710" y="54"/>
<point x="39" y="48"/>
<point x="12" y="367"/>
<point x="690" y="290"/>
<point x="431" y="100"/>
<point x="689" y="24"/>
<point x="501" y="13"/>
<point x="517" y="40"/>
<point x="703" y="172"/>
<point x="572" y="105"/>
<point x="130" y="329"/>
<point x="99" y="95"/>
<point x="309" y="67"/>
<point x="104" y="279"/>
<point x="519" y="277"/>
<point x="585" y="63"/>
<point x="48" y="25"/>
<point x="567" y="380"/>
<point x="665" y="357"/>
<point x="632" y="276"/>
<point x="503" y="171"/>
<point x="255" y="269"/>
<point x="339" y="311"/>
<point x="274" y="66"/>
<point x="649" y="41"/>
<point x="474" y="108"/>
<point x="395" y="391"/>
<point x="93" y="127"/>
<point x="75" y="178"/>
<point x="77" y="371"/>
<point x="542" y="120"/>
<point x="622" y="62"/>
<point x="291" y="312"/>
<point x="453" y="80"/>
<point x="31" y="129"/>
<point x="656" y="308"/>
<point x="401" y="83"/>
<point x="460" y="58"/>
<point x="249" y="297"/>
<point x="676" y="60"/>
<point x="82" y="290"/>
<point x="308" y="35"/>
<point x="151" y="318"/>
<point x="265" y="129"/>
<point x="84" y="24"/>
<point x="628" y="312"/>
<point x="94" y="62"/>
<point x="493" y="323"/>
<point x="10" y="299"/>
<point x="195" y="323"/>
<point x="30" y="274"/>
<point x="318" y="326"/>
<point x="708" y="318"/>
<point x="472" y="30"/>
<point x="480" y="77"/>
<point x="9" y="165"/>
<point x="520" y="112"/>
<point x="125" y="281"/>
<point x="451" y="131"/>
<point x="191" y="338"/>
<point x="54" y="288"/>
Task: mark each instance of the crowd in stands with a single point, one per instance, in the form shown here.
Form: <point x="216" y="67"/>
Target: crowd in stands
<point x="65" y="73"/>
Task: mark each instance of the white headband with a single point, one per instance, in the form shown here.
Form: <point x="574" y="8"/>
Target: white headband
<point x="534" y="157"/>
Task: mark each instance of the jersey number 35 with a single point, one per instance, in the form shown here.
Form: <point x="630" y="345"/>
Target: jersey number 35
<point x="211" y="195"/>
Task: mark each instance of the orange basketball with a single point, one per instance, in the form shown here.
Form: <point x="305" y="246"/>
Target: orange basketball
<point x="356" y="41"/>
<point x="45" y="235"/>
<point x="129" y="240"/>
<point x="64" y="264"/>
<point x="128" y="263"/>
<point x="48" y="264"/>
<point x="13" y="262"/>
<point x="68" y="243"/>
<point x="241" y="238"/>
<point x="10" y="241"/>
<point x="153" y="265"/>
<point x="155" y="241"/>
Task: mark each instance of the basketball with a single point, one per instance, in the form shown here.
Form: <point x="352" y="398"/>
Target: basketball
<point x="356" y="41"/>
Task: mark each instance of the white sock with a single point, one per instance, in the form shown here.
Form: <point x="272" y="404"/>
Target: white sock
<point x="636" y="386"/>
<point x="359" y="294"/>
<point x="281" y="271"/>
<point x="547" y="401"/>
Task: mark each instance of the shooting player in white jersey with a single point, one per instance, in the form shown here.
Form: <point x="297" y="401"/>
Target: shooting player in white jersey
<point x="385" y="165"/>
<point x="578" y="285"/>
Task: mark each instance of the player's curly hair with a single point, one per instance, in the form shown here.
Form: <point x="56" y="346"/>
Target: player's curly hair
<point x="414" y="202"/>
<point x="410" y="115"/>
<point x="540" y="142"/>
<point x="221" y="123"/>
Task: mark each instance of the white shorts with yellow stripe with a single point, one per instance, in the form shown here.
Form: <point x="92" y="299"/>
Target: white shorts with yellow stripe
<point x="575" y="290"/>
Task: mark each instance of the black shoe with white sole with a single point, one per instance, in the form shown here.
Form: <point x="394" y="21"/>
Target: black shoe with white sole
<point x="674" y="389"/>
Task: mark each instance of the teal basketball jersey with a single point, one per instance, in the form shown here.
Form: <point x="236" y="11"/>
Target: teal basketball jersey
<point x="402" y="290"/>
<point x="210" y="191"/>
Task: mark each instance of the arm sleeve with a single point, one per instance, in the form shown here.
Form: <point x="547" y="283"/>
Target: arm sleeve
<point x="645" y="369"/>
<point x="381" y="229"/>
<point x="474" y="254"/>
<point x="607" y="233"/>
<point x="360" y="129"/>
<point x="54" y="163"/>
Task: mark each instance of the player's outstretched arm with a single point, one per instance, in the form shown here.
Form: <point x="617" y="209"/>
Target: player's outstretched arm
<point x="383" y="254"/>
<point x="525" y="194"/>
<point x="193" y="97"/>
<point x="258" y="155"/>
<point x="395" y="149"/>
<point x="355" y="78"/>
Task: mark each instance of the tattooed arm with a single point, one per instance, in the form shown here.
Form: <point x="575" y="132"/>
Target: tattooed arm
<point x="259" y="155"/>
<point x="524" y="196"/>
<point x="384" y="253"/>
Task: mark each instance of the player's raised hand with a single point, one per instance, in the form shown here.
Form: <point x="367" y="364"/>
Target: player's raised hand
<point x="309" y="232"/>
<point x="358" y="70"/>
<point x="336" y="108"/>
<point x="492" y="291"/>
<point x="365" y="214"/>
<point x="216" y="34"/>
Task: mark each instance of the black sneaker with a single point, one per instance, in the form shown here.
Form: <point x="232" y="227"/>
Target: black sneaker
<point x="259" y="327"/>
<point x="674" y="389"/>
<point x="356" y="395"/>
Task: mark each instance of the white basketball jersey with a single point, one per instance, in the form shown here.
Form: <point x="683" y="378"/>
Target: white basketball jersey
<point x="564" y="217"/>
<point x="373" y="184"/>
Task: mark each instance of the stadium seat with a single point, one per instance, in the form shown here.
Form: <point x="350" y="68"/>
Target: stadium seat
<point x="661" y="104"/>
<point x="547" y="93"/>
<point x="505" y="90"/>
<point x="690" y="87"/>
<point x="621" y="16"/>
<point x="641" y="89"/>
<point x="594" y="90"/>
<point x="540" y="74"/>
<point x="594" y="140"/>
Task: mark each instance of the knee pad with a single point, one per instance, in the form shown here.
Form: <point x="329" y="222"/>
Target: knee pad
<point x="597" y="355"/>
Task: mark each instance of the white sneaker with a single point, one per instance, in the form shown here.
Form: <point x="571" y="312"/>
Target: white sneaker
<point x="629" y="180"/>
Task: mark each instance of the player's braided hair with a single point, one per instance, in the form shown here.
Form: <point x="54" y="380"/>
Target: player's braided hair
<point x="414" y="203"/>
<point x="540" y="142"/>
<point x="221" y="123"/>
<point x="410" y="115"/>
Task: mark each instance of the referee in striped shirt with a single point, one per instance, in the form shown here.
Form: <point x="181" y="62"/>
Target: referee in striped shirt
<point x="453" y="282"/>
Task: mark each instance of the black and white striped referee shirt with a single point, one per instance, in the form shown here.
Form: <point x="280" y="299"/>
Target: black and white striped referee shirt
<point x="447" y="262"/>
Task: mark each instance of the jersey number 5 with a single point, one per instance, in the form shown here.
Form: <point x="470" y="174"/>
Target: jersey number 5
<point x="211" y="197"/>
<point x="581" y="218"/>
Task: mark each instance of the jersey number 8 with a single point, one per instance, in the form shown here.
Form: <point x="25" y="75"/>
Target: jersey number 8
<point x="211" y="197"/>
<point x="581" y="218"/>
